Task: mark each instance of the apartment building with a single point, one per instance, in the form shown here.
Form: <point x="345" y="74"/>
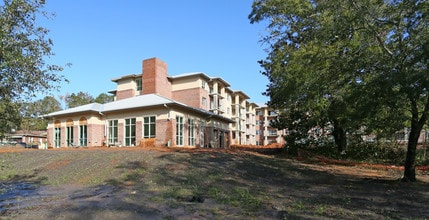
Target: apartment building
<point x="265" y="134"/>
<point x="191" y="109"/>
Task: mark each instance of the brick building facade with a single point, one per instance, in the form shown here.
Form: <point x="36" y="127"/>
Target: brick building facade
<point x="191" y="109"/>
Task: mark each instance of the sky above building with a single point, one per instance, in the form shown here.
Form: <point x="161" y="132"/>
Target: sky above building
<point x="105" y="39"/>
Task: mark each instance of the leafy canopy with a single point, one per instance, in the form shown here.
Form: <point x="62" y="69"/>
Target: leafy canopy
<point x="350" y="64"/>
<point x="24" y="46"/>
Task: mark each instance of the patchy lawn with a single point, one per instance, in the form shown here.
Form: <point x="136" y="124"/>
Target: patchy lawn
<point x="143" y="183"/>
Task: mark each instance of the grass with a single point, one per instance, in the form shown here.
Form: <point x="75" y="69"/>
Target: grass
<point x="232" y="184"/>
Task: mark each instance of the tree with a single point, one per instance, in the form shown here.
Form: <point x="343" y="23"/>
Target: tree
<point x="31" y="113"/>
<point x="351" y="64"/>
<point x="104" y="98"/>
<point x="9" y="116"/>
<point x="78" y="99"/>
<point x="23" y="47"/>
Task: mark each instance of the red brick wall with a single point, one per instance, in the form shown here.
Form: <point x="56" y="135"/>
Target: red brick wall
<point x="191" y="97"/>
<point x="50" y="137"/>
<point x="125" y="94"/>
<point x="164" y="132"/>
<point x="139" y="131"/>
<point x="154" y="78"/>
<point x="121" y="133"/>
<point x="95" y="134"/>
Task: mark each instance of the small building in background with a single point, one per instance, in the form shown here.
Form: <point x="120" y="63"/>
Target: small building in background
<point x="29" y="139"/>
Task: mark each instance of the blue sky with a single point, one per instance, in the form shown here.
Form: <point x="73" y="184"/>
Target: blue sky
<point x="104" y="39"/>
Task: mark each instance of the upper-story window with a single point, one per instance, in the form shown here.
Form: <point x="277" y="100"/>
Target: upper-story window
<point x="204" y="102"/>
<point x="203" y="84"/>
<point x="211" y="89"/>
<point x="138" y="84"/>
<point x="272" y="113"/>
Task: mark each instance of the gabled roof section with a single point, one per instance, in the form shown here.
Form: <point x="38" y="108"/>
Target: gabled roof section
<point x="92" y="107"/>
<point x="183" y="75"/>
<point x="132" y="76"/>
<point x="240" y="93"/>
<point x="137" y="102"/>
<point x="142" y="101"/>
<point x="225" y="83"/>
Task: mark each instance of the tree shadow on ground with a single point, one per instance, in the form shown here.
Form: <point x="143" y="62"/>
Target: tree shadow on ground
<point x="231" y="185"/>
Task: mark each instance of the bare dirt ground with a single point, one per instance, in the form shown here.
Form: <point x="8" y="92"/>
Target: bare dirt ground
<point x="143" y="183"/>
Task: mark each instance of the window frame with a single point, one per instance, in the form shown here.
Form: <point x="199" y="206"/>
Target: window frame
<point x="191" y="132"/>
<point x="150" y="126"/>
<point x="180" y="130"/>
<point x="139" y="84"/>
<point x="112" y="129"/>
<point x="83" y="135"/>
<point x="130" y="132"/>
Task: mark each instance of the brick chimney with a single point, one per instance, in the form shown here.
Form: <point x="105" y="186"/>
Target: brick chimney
<point x="154" y="78"/>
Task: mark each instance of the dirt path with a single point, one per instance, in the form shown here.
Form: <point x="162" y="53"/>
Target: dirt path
<point x="136" y="183"/>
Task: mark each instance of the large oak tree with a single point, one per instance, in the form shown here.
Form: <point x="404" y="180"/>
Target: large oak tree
<point x="24" y="47"/>
<point x="350" y="64"/>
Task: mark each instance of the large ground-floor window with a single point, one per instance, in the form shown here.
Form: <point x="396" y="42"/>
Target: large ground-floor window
<point x="69" y="136"/>
<point x="191" y="132"/>
<point x="113" y="132"/>
<point x="179" y="130"/>
<point x="57" y="137"/>
<point x="149" y="127"/>
<point x="83" y="135"/>
<point x="130" y="131"/>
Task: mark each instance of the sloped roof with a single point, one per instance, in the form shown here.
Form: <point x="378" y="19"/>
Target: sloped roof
<point x="137" y="102"/>
<point x="190" y="74"/>
<point x="141" y="101"/>
<point x="94" y="107"/>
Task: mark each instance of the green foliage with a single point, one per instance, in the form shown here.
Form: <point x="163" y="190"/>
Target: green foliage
<point x="23" y="47"/>
<point x="31" y="113"/>
<point x="354" y="65"/>
<point x="9" y="116"/>
<point x="104" y="98"/>
<point x="78" y="99"/>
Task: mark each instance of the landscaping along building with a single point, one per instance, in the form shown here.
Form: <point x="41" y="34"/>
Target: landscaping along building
<point x="156" y="109"/>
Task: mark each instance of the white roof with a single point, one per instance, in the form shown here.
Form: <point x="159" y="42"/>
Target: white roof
<point x="137" y="102"/>
<point x="96" y="107"/>
<point x="130" y="103"/>
<point x="190" y="74"/>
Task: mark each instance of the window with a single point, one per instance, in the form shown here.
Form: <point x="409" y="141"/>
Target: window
<point x="113" y="132"/>
<point x="138" y="84"/>
<point x="149" y="127"/>
<point x="179" y="130"/>
<point x="83" y="135"/>
<point x="130" y="131"/>
<point x="258" y="132"/>
<point x="272" y="132"/>
<point x="191" y="132"/>
<point x="272" y="113"/>
<point x="203" y="84"/>
<point x="69" y="136"/>
<point x="83" y="131"/>
<point x="204" y="102"/>
<point x="211" y="89"/>
<point x="57" y="137"/>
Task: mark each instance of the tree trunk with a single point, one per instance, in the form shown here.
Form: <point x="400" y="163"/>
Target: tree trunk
<point x="340" y="138"/>
<point x="416" y="128"/>
<point x="410" y="160"/>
